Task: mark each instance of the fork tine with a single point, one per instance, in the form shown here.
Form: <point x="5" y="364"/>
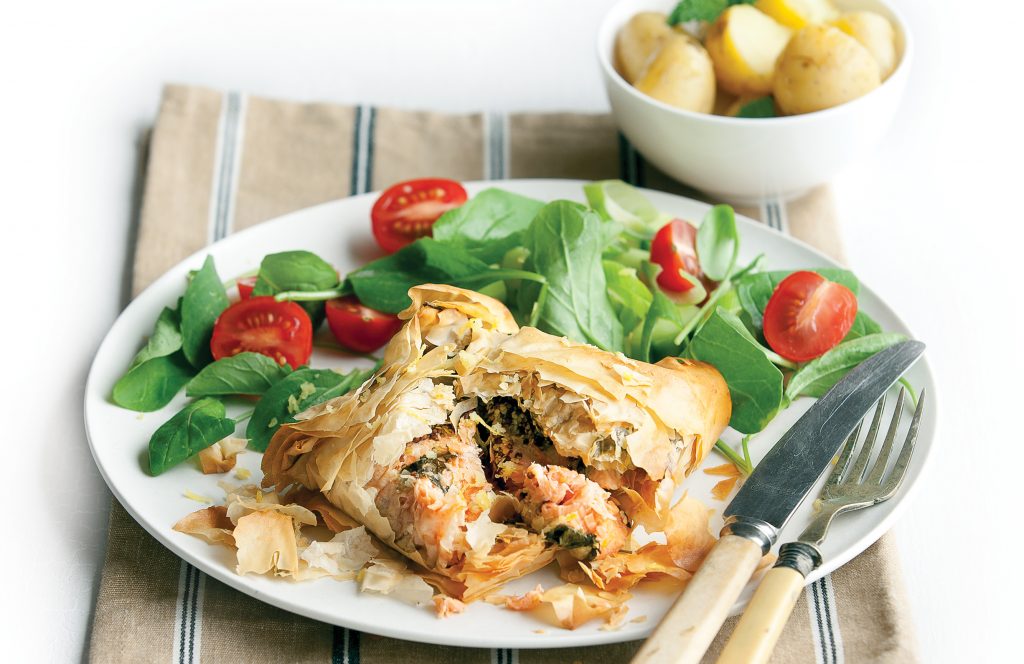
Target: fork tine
<point x="865" y="451"/>
<point x="844" y="458"/>
<point x="875" y="476"/>
<point x="899" y="471"/>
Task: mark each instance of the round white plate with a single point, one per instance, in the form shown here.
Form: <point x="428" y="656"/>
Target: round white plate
<point x="340" y="232"/>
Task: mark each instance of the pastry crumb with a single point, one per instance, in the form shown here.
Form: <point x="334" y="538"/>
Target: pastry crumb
<point x="196" y="497"/>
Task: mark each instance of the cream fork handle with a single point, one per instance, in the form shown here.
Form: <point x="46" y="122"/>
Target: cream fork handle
<point x="754" y="638"/>
<point x="686" y="631"/>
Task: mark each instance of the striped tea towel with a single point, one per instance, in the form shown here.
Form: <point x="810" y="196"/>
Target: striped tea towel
<point x="219" y="163"/>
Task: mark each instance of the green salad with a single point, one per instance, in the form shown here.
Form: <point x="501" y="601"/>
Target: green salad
<point x="616" y="273"/>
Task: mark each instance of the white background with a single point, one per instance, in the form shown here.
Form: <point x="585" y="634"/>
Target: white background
<point x="932" y="221"/>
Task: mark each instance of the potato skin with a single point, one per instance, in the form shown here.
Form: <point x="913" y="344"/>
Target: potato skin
<point x="876" y="34"/>
<point x="637" y="41"/>
<point x="723" y="102"/>
<point x="681" y="75"/>
<point x="822" y="67"/>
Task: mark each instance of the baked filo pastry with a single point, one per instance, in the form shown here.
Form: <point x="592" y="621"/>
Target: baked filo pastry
<point x="479" y="449"/>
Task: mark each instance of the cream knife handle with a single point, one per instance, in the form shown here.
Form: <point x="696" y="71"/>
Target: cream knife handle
<point x="754" y="638"/>
<point x="686" y="631"/>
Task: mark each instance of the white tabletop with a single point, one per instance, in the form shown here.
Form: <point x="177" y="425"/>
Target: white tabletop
<point x="932" y="221"/>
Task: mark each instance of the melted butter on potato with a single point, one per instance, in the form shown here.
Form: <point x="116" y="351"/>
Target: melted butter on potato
<point x="744" y="44"/>
<point x="637" y="41"/>
<point x="876" y="34"/>
<point x="681" y="75"/>
<point x="822" y="67"/>
<point x="796" y="14"/>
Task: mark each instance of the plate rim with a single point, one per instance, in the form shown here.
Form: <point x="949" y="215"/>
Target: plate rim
<point x="553" y="639"/>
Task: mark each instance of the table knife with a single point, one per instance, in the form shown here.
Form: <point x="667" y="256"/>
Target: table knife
<point x="766" y="501"/>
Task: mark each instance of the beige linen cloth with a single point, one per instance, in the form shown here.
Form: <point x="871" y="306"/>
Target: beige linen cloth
<point x="222" y="162"/>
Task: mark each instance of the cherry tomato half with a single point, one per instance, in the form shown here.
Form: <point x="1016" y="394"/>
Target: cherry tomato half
<point x="407" y="210"/>
<point x="245" y="286"/>
<point x="359" y="327"/>
<point x="808" y="315"/>
<point x="279" y="330"/>
<point x="674" y="248"/>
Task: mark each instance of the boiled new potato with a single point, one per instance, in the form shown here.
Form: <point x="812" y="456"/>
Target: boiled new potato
<point x="680" y="74"/>
<point x="796" y="14"/>
<point x="744" y="44"/>
<point x="733" y="109"/>
<point x="637" y="41"/>
<point x="822" y="67"/>
<point x="723" y="102"/>
<point x="876" y="34"/>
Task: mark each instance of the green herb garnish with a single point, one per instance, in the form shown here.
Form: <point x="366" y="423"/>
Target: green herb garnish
<point x="701" y="10"/>
<point x="763" y="107"/>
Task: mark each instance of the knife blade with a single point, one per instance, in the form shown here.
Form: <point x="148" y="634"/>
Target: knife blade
<point x="784" y="477"/>
<point x="767" y="500"/>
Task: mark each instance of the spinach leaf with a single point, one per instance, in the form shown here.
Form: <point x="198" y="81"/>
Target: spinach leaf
<point x="819" y="375"/>
<point x="661" y="325"/>
<point x="203" y="302"/>
<point x="158" y="370"/>
<point x="863" y="325"/>
<point x="664" y="321"/>
<point x="724" y="292"/>
<point x="197" y="426"/>
<point x="754" y="382"/>
<point x="754" y="290"/>
<point x="836" y="274"/>
<point x="166" y="338"/>
<point x="718" y="242"/>
<point x="488" y="225"/>
<point x="629" y="297"/>
<point x="245" y="373"/>
<point x="351" y="381"/>
<point x="623" y="203"/>
<point x="565" y="242"/>
<point x="701" y="10"/>
<point x="151" y="385"/>
<point x="762" y="107"/>
<point x="296" y="271"/>
<point x="383" y="284"/>
<point x="293" y="394"/>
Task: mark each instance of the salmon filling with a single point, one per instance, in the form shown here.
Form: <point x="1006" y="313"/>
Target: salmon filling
<point x="441" y="484"/>
<point x="436" y="488"/>
<point x="555" y="499"/>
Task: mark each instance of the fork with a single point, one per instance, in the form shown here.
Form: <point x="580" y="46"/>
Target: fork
<point x="851" y="486"/>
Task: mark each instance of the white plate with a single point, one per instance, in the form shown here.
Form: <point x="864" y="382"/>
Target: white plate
<point x="340" y="232"/>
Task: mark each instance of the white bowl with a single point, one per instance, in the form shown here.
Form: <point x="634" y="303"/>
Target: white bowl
<point x="744" y="159"/>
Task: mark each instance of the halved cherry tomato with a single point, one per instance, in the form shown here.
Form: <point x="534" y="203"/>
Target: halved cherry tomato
<point x="359" y="327"/>
<point x="279" y="330"/>
<point x="407" y="210"/>
<point x="808" y="315"/>
<point x="245" y="286"/>
<point x="674" y="248"/>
